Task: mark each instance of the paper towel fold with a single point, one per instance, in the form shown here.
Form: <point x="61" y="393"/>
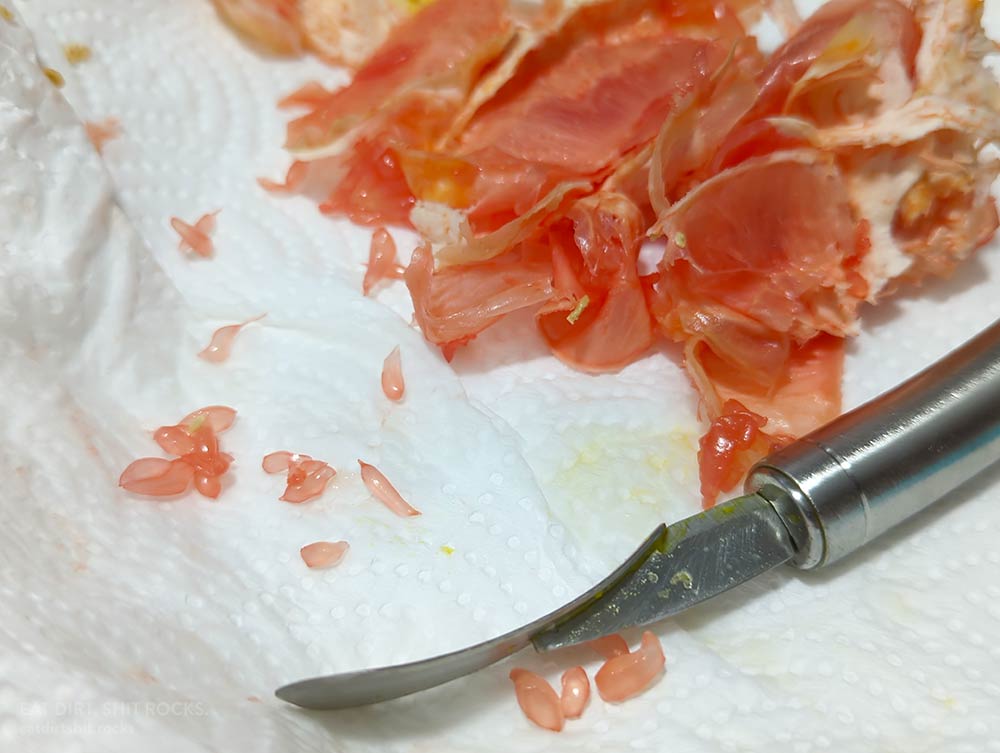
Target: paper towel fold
<point x="132" y="624"/>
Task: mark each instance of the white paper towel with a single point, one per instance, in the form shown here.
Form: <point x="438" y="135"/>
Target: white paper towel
<point x="136" y="625"/>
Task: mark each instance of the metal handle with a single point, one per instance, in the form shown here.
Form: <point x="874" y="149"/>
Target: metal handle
<point x="853" y="479"/>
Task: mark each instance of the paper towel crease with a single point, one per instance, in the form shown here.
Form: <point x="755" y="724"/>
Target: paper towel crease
<point x="533" y="480"/>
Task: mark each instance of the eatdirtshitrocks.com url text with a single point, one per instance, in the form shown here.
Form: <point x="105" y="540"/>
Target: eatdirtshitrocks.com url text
<point x="101" y="718"/>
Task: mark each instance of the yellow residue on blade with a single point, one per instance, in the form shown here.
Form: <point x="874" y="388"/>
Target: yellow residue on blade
<point x="6" y="15"/>
<point x="449" y="550"/>
<point x="682" y="578"/>
<point x="54" y="76"/>
<point x="76" y="53"/>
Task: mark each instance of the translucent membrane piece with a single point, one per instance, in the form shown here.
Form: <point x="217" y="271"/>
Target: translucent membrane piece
<point x="324" y="553"/>
<point x="538" y="700"/>
<point x="219" y="348"/>
<point x="392" y="376"/>
<point x="307" y="479"/>
<point x="382" y="263"/>
<point x="101" y="132"/>
<point x="609" y="646"/>
<point x="385" y="492"/>
<point x="157" y="477"/>
<point x="196" y="237"/>
<point x="629" y="674"/>
<point x="219" y="417"/>
<point x="575" y="692"/>
<point x="297" y="173"/>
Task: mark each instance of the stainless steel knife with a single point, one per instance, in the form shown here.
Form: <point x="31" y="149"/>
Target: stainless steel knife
<point x="807" y="505"/>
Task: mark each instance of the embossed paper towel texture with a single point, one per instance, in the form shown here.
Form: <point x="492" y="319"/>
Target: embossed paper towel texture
<point x="536" y="476"/>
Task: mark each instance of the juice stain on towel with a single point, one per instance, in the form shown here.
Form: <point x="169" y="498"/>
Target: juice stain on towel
<point x="625" y="481"/>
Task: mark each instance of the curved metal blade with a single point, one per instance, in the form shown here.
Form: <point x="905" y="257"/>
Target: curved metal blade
<point x="368" y="686"/>
<point x="676" y="567"/>
<point x="700" y="557"/>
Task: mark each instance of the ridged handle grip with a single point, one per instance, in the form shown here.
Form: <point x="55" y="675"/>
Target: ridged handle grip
<point x="855" y="478"/>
